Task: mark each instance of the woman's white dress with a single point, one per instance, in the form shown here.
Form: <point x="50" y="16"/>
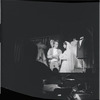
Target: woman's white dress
<point x="67" y="65"/>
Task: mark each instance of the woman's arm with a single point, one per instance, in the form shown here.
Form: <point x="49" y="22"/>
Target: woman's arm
<point x="63" y="57"/>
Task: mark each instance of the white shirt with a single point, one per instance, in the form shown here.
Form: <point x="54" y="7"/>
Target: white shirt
<point x="54" y="53"/>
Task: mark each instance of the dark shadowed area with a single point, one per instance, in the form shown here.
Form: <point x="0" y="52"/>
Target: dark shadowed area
<point x="23" y="20"/>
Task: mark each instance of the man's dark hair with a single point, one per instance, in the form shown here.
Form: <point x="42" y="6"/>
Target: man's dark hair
<point x="56" y="41"/>
<point x="55" y="70"/>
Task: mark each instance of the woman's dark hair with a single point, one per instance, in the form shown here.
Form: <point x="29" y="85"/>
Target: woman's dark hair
<point x="65" y="43"/>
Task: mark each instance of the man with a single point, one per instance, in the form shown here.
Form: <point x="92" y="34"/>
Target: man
<point x="82" y="52"/>
<point x="53" y="56"/>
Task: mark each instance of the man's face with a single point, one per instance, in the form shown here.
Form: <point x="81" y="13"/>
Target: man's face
<point x="56" y="44"/>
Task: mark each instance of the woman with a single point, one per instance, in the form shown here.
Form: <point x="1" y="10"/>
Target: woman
<point x="66" y="57"/>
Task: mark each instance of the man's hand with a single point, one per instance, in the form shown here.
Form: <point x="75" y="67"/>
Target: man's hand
<point x="56" y="56"/>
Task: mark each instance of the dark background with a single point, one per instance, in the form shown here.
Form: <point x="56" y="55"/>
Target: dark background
<point x="23" y="20"/>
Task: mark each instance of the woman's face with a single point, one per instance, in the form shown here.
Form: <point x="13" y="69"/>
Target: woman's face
<point x="65" y="46"/>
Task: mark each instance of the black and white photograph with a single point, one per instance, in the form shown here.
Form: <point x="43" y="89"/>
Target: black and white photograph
<point x="50" y="50"/>
<point x="0" y="46"/>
